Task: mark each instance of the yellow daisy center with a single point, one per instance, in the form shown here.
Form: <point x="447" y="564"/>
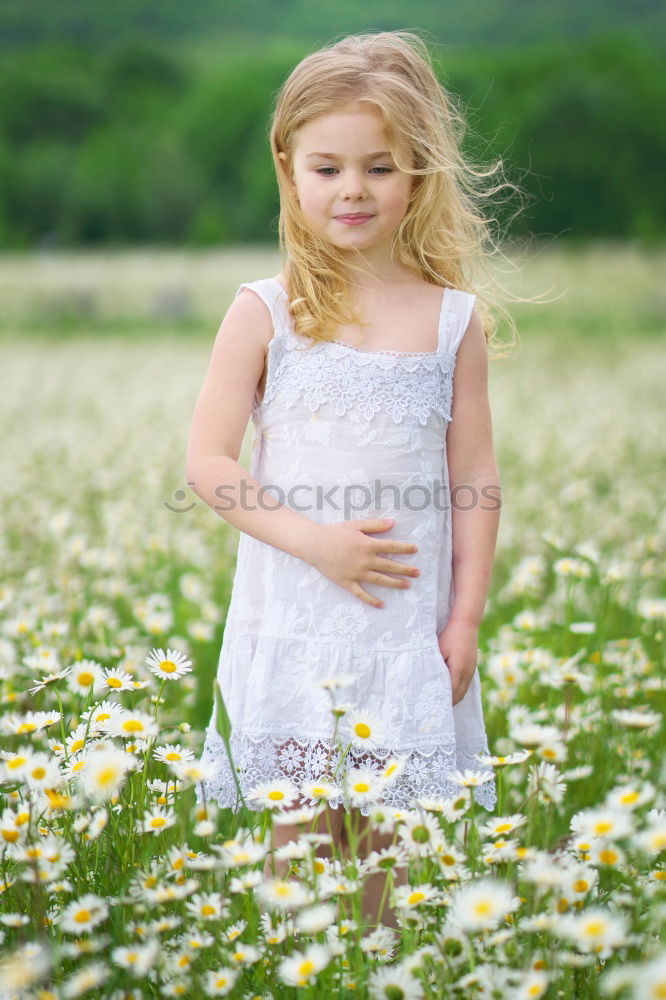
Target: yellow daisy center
<point x="133" y="726"/>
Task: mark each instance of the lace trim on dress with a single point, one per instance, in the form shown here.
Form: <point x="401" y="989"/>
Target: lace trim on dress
<point x="340" y="375"/>
<point x="343" y="377"/>
<point x="261" y="759"/>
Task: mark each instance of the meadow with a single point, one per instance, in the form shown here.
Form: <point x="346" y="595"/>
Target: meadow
<point x="114" y="882"/>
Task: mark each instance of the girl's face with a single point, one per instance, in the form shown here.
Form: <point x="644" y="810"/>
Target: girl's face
<point x="341" y="166"/>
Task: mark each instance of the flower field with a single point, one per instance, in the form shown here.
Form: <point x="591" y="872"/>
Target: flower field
<point x="115" y="882"/>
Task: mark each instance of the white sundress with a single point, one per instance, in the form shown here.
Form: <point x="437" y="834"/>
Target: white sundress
<point x="374" y="422"/>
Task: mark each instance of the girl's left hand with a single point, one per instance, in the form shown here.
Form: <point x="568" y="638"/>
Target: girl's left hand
<point x="458" y="644"/>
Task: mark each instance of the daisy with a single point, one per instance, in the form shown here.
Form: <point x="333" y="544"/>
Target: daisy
<point x="393" y="768"/>
<point x="602" y="822"/>
<point x="554" y="750"/>
<point x="206" y="906"/>
<point x="75" y="742"/>
<point x="482" y="904"/>
<point x="595" y="930"/>
<point x="409" y="897"/>
<point x="175" y="987"/>
<point x="15" y="765"/>
<point x="85" y="979"/>
<point x="132" y="724"/>
<point x="117" y="680"/>
<point x="102" y="716"/>
<point x="394" y="983"/>
<point x="379" y="943"/>
<point x="363" y="786"/>
<point x="170" y="666"/>
<point x="456" y="806"/>
<point x="419" y="834"/>
<point x="44" y="682"/>
<point x="580" y="879"/>
<point x="607" y="854"/>
<point x="193" y="772"/>
<point x="316" y="918"/>
<point x="653" y="839"/>
<point x="451" y="861"/>
<point x="171" y="753"/>
<point x="276" y="893"/>
<point x="157" y="820"/>
<point x="471" y="779"/>
<point x="636" y="718"/>
<point x="652" y="607"/>
<point x="236" y="855"/>
<point x="502" y="825"/>
<point x="85" y="676"/>
<point x="650" y="980"/>
<point x="219" y="982"/>
<point x="15" y="919"/>
<point x="105" y="771"/>
<point x="577" y="773"/>
<point x="363" y="728"/>
<point x="517" y="757"/>
<point x="320" y="790"/>
<point x="30" y="722"/>
<point x="274" y="794"/>
<point x="388" y="859"/>
<point x="301" y="967"/>
<point x="498" y="850"/>
<point x="532" y="986"/>
<point x="41" y="771"/>
<point x="139" y="959"/>
<point x="244" y="954"/>
<point x="630" y="796"/>
<point x="83" y="914"/>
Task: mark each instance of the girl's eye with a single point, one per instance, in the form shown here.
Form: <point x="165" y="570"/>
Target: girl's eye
<point x="319" y="170"/>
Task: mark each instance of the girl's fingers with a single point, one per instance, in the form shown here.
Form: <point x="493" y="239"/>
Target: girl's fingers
<point x="367" y="598"/>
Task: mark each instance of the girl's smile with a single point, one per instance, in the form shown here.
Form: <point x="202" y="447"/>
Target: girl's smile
<point x="353" y="220"/>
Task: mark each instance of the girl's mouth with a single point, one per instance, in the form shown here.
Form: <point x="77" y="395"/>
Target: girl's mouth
<point x="353" y="220"/>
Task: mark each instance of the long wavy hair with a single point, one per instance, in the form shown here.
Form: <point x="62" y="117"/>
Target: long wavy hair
<point x="446" y="236"/>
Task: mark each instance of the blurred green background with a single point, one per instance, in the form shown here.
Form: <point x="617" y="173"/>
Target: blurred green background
<point x="145" y="121"/>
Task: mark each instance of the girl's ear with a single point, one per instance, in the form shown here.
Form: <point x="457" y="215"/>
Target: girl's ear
<point x="285" y="167"/>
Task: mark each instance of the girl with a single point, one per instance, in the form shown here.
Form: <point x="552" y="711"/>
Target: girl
<point x="370" y="514"/>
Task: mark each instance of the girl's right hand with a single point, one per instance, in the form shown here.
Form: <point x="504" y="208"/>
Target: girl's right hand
<point x="345" y="554"/>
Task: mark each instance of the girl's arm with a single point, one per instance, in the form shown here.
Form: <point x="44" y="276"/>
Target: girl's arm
<point x="475" y="506"/>
<point x="220" y="419"/>
<point x="474" y="478"/>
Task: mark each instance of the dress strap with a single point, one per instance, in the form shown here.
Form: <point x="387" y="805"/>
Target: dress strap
<point x="275" y="297"/>
<point x="454" y="319"/>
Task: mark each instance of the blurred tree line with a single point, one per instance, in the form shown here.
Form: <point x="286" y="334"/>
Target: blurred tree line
<point x="142" y="142"/>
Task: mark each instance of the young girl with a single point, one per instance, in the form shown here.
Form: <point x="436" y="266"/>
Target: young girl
<point x="370" y="514"/>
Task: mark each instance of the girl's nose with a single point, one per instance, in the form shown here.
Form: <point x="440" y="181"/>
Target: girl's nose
<point x="352" y="187"/>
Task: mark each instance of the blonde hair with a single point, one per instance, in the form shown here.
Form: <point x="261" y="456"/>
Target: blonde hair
<point x="444" y="236"/>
